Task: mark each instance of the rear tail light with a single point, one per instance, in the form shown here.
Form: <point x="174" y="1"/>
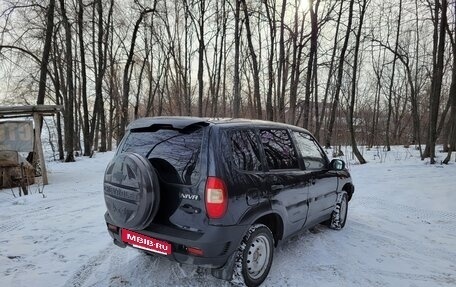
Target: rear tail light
<point x="216" y="197"/>
<point x="113" y="228"/>
<point x="195" y="251"/>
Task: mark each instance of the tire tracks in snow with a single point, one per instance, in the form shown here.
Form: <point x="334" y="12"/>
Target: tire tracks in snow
<point x="83" y="273"/>
<point x="392" y="238"/>
<point x="361" y="271"/>
<point x="35" y="211"/>
<point x="16" y="221"/>
<point x="431" y="279"/>
<point x="396" y="208"/>
<point x="20" y="221"/>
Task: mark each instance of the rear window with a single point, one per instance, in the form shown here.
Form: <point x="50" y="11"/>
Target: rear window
<point x="174" y="154"/>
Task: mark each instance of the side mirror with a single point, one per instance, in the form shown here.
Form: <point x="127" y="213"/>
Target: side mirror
<point x="337" y="164"/>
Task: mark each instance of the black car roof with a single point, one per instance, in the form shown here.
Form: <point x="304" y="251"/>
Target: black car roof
<point x="182" y="122"/>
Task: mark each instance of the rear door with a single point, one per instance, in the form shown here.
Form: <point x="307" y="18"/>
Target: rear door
<point x="243" y="172"/>
<point x="288" y="184"/>
<point x="323" y="187"/>
<point x="177" y="155"/>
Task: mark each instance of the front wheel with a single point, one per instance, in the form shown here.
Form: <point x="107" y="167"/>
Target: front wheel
<point x="254" y="258"/>
<point x="339" y="215"/>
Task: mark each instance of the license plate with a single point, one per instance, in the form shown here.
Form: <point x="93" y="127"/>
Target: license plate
<point x="145" y="242"/>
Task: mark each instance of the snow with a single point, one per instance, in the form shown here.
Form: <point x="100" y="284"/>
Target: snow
<point x="401" y="231"/>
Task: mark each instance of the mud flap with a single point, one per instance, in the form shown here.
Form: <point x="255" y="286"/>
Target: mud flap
<point x="119" y="243"/>
<point x="226" y="271"/>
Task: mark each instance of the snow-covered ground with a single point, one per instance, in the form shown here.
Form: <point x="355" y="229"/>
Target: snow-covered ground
<point x="401" y="231"/>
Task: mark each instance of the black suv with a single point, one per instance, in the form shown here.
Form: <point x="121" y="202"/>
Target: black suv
<point x="221" y="193"/>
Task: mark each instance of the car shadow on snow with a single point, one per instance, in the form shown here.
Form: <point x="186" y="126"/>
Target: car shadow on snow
<point x="153" y="270"/>
<point x="305" y="252"/>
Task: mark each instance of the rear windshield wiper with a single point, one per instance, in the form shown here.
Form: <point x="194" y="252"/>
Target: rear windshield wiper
<point x="162" y="141"/>
<point x="185" y="131"/>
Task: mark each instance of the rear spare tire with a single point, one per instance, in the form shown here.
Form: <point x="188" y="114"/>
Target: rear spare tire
<point x="131" y="191"/>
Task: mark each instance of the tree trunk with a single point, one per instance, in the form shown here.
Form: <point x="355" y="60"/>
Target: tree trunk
<point x="58" y="97"/>
<point x="222" y="56"/>
<point x="351" y="115"/>
<point x="127" y="72"/>
<point x="281" y="75"/>
<point x="310" y="64"/>
<point x="437" y="75"/>
<point x="256" y="73"/>
<point x="390" y="90"/>
<point x="201" y="58"/>
<point x="112" y="96"/>
<point x="85" y="107"/>
<point x="271" y="78"/>
<point x="69" y="110"/>
<point x="46" y="51"/>
<point x="138" y="92"/>
<point x="452" y="121"/>
<point x="236" y="80"/>
<point x="294" y="68"/>
<point x="103" y="56"/>
<point x="331" y="69"/>
<point x="335" y="104"/>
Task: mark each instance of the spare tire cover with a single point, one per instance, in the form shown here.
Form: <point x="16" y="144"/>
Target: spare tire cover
<point x="131" y="191"/>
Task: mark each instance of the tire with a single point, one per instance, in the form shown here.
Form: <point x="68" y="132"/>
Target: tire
<point x="339" y="214"/>
<point x="131" y="191"/>
<point x="254" y="256"/>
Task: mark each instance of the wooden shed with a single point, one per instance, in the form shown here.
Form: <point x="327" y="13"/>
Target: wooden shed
<point x="19" y="136"/>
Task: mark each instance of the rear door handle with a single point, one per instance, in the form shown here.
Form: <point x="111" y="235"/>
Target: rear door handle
<point x="277" y="187"/>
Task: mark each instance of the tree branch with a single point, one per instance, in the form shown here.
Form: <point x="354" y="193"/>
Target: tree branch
<point x="25" y="51"/>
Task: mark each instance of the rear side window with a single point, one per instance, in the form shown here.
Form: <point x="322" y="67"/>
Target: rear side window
<point x="312" y="154"/>
<point x="278" y="149"/>
<point x="174" y="154"/>
<point x="245" y="150"/>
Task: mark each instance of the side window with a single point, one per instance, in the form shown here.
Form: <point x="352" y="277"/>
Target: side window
<point x="312" y="154"/>
<point x="278" y="149"/>
<point x="245" y="150"/>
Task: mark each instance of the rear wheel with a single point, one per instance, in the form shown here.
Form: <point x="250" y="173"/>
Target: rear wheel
<point x="254" y="257"/>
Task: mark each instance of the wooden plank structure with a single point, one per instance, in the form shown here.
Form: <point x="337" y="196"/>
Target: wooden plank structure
<point x="37" y="112"/>
<point x="15" y="171"/>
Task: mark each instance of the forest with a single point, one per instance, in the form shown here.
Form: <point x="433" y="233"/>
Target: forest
<point x="353" y="72"/>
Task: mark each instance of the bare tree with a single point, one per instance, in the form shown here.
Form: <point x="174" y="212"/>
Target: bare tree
<point x="46" y="51"/>
<point x="330" y="70"/>
<point x="271" y="16"/>
<point x="354" y="86"/>
<point x="128" y="70"/>
<point x="69" y="101"/>
<point x="340" y="70"/>
<point x="310" y="64"/>
<point x="452" y="94"/>
<point x="237" y="47"/>
<point x="437" y="75"/>
<point x="201" y="23"/>
<point x="255" y="74"/>
<point x="85" y="116"/>
<point x="282" y="73"/>
<point x="391" y="84"/>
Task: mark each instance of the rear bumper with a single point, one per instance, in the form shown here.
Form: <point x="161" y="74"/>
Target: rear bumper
<point x="217" y="242"/>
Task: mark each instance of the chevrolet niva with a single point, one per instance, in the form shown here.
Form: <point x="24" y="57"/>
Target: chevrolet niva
<point x="221" y="193"/>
